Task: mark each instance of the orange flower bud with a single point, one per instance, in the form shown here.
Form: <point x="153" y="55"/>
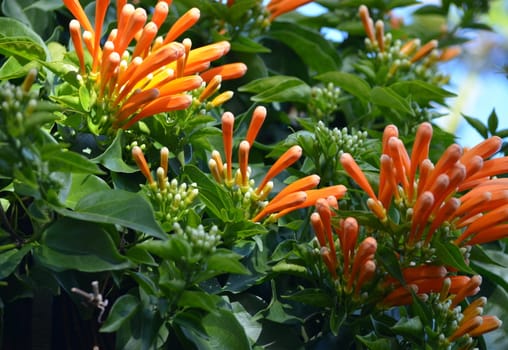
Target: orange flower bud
<point x="140" y="160"/>
<point x="285" y="160"/>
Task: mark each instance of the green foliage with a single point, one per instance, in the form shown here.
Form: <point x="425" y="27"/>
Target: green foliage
<point x="172" y="249"/>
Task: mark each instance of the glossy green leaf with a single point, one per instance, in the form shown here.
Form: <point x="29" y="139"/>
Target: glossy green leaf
<point x="215" y="198"/>
<point x="175" y="248"/>
<point x="139" y="255"/>
<point x="10" y="259"/>
<point x="45" y="5"/>
<point x="410" y="328"/>
<point x="477" y="125"/>
<point x="18" y="40"/>
<point x="386" y="97"/>
<point x="493" y="122"/>
<point x="68" y="161"/>
<point x="250" y="325"/>
<point x="117" y="207"/>
<point x="223" y="262"/>
<point x="199" y="300"/>
<point x="351" y="83"/>
<point x="112" y="156"/>
<point x="450" y="255"/>
<point x="312" y="296"/>
<point x="85" y="98"/>
<point x="497" y="272"/>
<point x="388" y="258"/>
<point x="245" y="44"/>
<point x="224" y="332"/>
<point x="12" y="69"/>
<point x="278" y="88"/>
<point x="78" y="245"/>
<point x="421" y="91"/>
<point x="83" y="185"/>
<point x="373" y="342"/>
<point x="121" y="312"/>
<point x="317" y="52"/>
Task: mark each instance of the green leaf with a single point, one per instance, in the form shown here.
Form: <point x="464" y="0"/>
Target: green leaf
<point x="386" y="97"/>
<point x="117" y="207"/>
<point x="284" y="267"/>
<point x="311" y="296"/>
<point x="45" y="5"/>
<point x="83" y="246"/>
<point x="199" y="300"/>
<point x="373" y="342"/>
<point x="279" y="88"/>
<point x="410" y="328"/>
<point x="68" y="161"/>
<point x="83" y="185"/>
<point x="12" y="69"/>
<point x="84" y="98"/>
<point x="18" y="40"/>
<point x="495" y="272"/>
<point x="481" y="255"/>
<point x="112" y="156"/>
<point x="450" y="255"/>
<point x="224" y="331"/>
<point x="246" y="44"/>
<point x="318" y="53"/>
<point x="250" y="325"/>
<point x="140" y="256"/>
<point x="144" y="282"/>
<point x="10" y="259"/>
<point x="477" y="125"/>
<point x="226" y="261"/>
<point x="351" y="83"/>
<point x="493" y="122"/>
<point x="421" y="91"/>
<point x="390" y="262"/>
<point x="121" y="312"/>
<point x="174" y="248"/>
<point x="215" y="198"/>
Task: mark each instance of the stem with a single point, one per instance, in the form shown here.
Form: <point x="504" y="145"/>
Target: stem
<point x="9" y="228"/>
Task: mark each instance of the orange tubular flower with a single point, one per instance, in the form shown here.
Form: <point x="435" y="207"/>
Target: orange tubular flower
<point x="357" y="268"/>
<point x="431" y="191"/>
<point x="280" y="7"/>
<point x="155" y="77"/>
<point x="297" y="195"/>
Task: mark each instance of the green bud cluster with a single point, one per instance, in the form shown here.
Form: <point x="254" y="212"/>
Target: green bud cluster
<point x="203" y="242"/>
<point x="21" y="111"/>
<point x="324" y="102"/>
<point x="171" y="200"/>
<point x="398" y="65"/>
<point x="341" y="140"/>
<point x="325" y="146"/>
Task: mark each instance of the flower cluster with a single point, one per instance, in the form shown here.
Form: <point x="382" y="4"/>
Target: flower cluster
<point x="357" y="266"/>
<point x="324" y="102"/>
<point x="251" y="198"/>
<point x="431" y="196"/>
<point x="127" y="86"/>
<point x="171" y="200"/>
<point x="411" y="58"/>
<point x="443" y="293"/>
<point x="203" y="243"/>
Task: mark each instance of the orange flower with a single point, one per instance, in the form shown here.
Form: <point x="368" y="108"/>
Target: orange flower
<point x="297" y="195"/>
<point x="140" y="160"/>
<point x="152" y="79"/>
<point x="357" y="267"/>
<point x="280" y="7"/>
<point x="431" y="191"/>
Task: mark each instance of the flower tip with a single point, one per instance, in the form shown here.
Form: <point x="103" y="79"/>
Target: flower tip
<point x="227" y="118"/>
<point x="363" y="10"/>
